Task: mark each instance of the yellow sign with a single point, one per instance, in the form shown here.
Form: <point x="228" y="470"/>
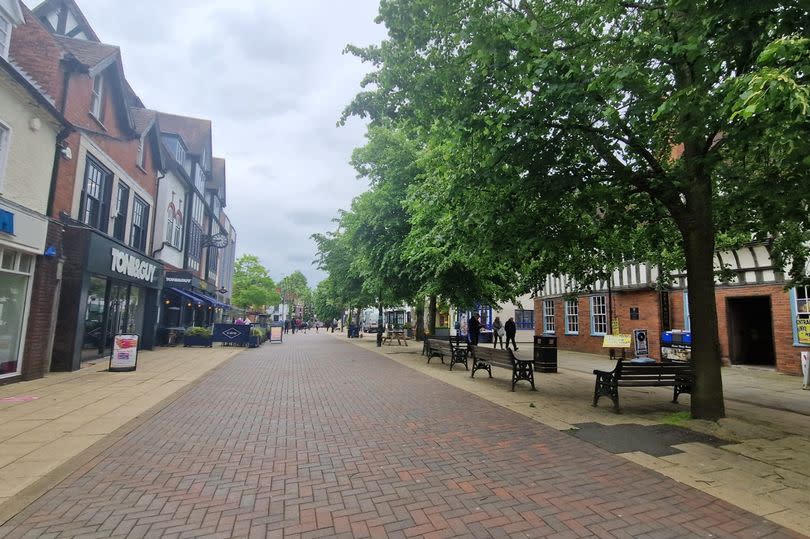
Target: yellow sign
<point x="617" y="341"/>
<point x="803" y="330"/>
<point x="614" y="326"/>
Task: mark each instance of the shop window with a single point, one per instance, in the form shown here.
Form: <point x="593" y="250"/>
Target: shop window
<point x="94" y="210"/>
<point x="140" y="225"/>
<point x="121" y="206"/>
<point x="571" y="317"/>
<point x="15" y="277"/>
<point x="524" y="319"/>
<point x="549" y="322"/>
<point x="599" y="323"/>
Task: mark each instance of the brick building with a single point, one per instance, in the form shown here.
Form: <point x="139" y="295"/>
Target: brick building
<point x="760" y="316"/>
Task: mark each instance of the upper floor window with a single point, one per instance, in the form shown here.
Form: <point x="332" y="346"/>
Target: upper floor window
<point x="94" y="208"/>
<point x="174" y="227"/>
<point x="180" y="153"/>
<point x="5" y="139"/>
<point x="524" y="319"/>
<point x="97" y="99"/>
<point x="199" y="180"/>
<point x="140" y="159"/>
<point x="199" y="210"/>
<point x="599" y="321"/>
<point x="571" y="317"/>
<point x="5" y="35"/>
<point x="140" y="224"/>
<point x="549" y="323"/>
<point x="120" y="214"/>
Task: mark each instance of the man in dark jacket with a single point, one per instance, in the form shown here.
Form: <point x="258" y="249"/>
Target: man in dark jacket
<point x="473" y="328"/>
<point x="511" y="330"/>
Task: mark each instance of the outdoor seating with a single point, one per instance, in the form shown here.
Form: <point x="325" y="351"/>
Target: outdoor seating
<point x="455" y="352"/>
<point x="679" y="376"/>
<point x="397" y="335"/>
<point x="485" y="357"/>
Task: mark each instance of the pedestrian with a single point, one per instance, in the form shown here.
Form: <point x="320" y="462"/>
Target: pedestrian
<point x="497" y="332"/>
<point x="473" y="328"/>
<point x="511" y="329"/>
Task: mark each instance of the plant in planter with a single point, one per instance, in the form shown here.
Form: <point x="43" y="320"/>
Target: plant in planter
<point x="197" y="336"/>
<point x="408" y="329"/>
<point x="257" y="336"/>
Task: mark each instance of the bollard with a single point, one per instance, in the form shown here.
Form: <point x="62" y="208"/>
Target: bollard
<point x="806" y="370"/>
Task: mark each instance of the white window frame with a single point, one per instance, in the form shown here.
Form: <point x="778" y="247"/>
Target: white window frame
<point x="572" y="317"/>
<point x="169" y="226"/>
<point x="5" y="40"/>
<point x="598" y="318"/>
<point x="549" y="322"/>
<point x="796" y="314"/>
<point x="180" y="154"/>
<point x="5" y="148"/>
<point x="178" y="231"/>
<point x="97" y="98"/>
<point x="27" y="309"/>
<point x="140" y="158"/>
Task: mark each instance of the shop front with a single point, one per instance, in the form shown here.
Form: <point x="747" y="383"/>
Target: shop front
<point x="109" y="289"/>
<point x="187" y="301"/>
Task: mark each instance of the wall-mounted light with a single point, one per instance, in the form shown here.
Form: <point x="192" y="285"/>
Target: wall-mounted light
<point x="188" y="304"/>
<point x="168" y="302"/>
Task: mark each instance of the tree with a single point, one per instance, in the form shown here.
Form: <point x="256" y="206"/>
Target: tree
<point x="253" y="289"/>
<point x="543" y="117"/>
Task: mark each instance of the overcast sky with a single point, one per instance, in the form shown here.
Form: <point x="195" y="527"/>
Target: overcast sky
<point x="271" y="76"/>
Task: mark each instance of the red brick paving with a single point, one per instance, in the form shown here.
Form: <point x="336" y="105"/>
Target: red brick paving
<point x="317" y="438"/>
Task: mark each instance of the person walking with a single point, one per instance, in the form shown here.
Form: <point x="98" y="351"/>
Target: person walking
<point x="511" y="330"/>
<point x="497" y="332"/>
<point x="473" y="328"/>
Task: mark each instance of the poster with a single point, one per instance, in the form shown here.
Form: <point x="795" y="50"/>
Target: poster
<point x="276" y="333"/>
<point x="124" y="353"/>
<point x="617" y="341"/>
<point x="803" y="330"/>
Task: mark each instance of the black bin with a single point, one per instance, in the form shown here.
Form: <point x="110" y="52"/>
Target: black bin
<point x="545" y="353"/>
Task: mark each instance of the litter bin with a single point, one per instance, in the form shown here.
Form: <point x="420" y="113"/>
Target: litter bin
<point x="545" y="353"/>
<point x="354" y="332"/>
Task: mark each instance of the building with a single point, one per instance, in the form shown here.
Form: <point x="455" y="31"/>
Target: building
<point x="31" y="129"/>
<point x="761" y="318"/>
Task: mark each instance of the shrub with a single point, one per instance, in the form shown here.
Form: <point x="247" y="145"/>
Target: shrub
<point x="196" y="331"/>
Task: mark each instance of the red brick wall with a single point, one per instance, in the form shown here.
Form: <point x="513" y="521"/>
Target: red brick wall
<point x="34" y="49"/>
<point x="648" y="302"/>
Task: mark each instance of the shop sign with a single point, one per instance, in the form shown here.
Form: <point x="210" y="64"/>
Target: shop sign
<point x="124" y="353"/>
<point x="132" y="266"/>
<point x="178" y="279"/>
<point x="803" y="330"/>
<point x="617" y="341"/>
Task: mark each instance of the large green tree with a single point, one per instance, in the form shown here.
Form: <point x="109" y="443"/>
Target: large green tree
<point x="577" y="134"/>
<point x="253" y="289"/>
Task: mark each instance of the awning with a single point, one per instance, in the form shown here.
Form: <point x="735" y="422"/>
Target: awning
<point x="210" y="300"/>
<point x="188" y="295"/>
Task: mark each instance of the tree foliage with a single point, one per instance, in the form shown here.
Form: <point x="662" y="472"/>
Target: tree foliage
<point x="253" y="289"/>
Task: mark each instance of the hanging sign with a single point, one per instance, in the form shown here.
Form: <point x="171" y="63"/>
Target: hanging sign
<point x="124" y="353"/>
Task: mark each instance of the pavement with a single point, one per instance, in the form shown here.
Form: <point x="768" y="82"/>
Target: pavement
<point x="323" y="437"/>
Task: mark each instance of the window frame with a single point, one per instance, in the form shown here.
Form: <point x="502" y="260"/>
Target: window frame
<point x="97" y="98"/>
<point x="796" y="314"/>
<point x="105" y="193"/>
<point x="141" y="228"/>
<point x="29" y="274"/>
<point x="549" y="320"/>
<point x="5" y="41"/>
<point x="571" y="315"/>
<point x="520" y="319"/>
<point x="5" y="150"/>
<point x="593" y="315"/>
<point x="122" y="187"/>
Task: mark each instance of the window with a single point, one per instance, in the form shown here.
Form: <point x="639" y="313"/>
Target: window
<point x="5" y="35"/>
<point x="571" y="317"/>
<point x="802" y="302"/>
<point x="180" y="153"/>
<point x="94" y="208"/>
<point x="97" y="99"/>
<point x="140" y="220"/>
<point x="139" y="160"/>
<point x="195" y="247"/>
<point x="524" y="319"/>
<point x="5" y="139"/>
<point x="121" y="206"/>
<point x="549" y="323"/>
<point x="178" y="230"/>
<point x="199" y="180"/>
<point x="213" y="255"/>
<point x="174" y="227"/>
<point x="599" y="323"/>
<point x="15" y="272"/>
<point x="170" y="224"/>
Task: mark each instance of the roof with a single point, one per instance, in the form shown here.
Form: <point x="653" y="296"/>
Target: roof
<point x="46" y="7"/>
<point x="93" y="55"/>
<point x="34" y="90"/>
<point x="195" y="132"/>
<point x="143" y="119"/>
<point x="218" y="177"/>
<point x="35" y="51"/>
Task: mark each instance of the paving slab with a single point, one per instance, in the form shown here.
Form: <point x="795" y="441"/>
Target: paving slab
<point x="319" y="438"/>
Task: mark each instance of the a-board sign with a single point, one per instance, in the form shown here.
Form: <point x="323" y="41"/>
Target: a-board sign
<point x="276" y="333"/>
<point x="617" y="341"/>
<point x="640" y="342"/>
<point x="124" y="355"/>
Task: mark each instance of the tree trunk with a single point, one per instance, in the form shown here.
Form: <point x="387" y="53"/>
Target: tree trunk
<point x="432" y="316"/>
<point x="697" y="229"/>
<point x="419" y="327"/>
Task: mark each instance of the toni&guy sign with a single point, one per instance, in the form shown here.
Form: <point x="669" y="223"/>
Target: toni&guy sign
<point x="132" y="266"/>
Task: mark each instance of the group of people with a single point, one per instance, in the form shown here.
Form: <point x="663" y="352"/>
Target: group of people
<point x="499" y="331"/>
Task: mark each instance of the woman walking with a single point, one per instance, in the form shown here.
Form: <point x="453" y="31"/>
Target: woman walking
<point x="497" y="332"/>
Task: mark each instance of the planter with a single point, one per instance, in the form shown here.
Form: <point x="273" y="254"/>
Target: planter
<point x="255" y="341"/>
<point x="196" y="340"/>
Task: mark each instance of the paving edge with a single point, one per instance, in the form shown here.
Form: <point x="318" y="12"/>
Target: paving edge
<point x="523" y="414"/>
<point x="17" y="507"/>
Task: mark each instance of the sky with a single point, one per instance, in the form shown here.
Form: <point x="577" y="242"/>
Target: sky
<point x="271" y="76"/>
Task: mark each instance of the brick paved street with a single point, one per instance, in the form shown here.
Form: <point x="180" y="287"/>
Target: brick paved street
<point x="318" y="438"/>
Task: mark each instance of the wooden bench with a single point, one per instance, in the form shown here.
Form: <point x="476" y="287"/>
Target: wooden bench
<point x="455" y="352"/>
<point x="484" y="357"/>
<point x="679" y="376"/>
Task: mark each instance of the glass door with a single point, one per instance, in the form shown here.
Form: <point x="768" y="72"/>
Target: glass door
<point x="117" y="312"/>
